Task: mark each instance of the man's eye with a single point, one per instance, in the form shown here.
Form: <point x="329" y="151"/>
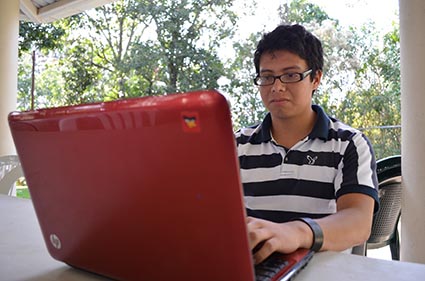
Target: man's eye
<point x="266" y="78"/>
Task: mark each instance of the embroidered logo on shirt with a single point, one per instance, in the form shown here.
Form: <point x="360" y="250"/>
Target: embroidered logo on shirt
<point x="311" y="160"/>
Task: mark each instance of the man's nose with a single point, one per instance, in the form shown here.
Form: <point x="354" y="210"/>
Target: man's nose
<point x="278" y="85"/>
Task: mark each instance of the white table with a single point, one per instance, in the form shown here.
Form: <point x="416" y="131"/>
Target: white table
<point x="23" y="255"/>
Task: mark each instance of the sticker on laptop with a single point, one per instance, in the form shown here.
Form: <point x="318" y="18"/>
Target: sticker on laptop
<point x="191" y="122"/>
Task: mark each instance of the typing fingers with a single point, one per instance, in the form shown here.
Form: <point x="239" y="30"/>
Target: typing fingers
<point x="267" y="248"/>
<point x="257" y="232"/>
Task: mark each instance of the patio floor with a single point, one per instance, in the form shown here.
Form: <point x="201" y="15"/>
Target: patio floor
<point x="383" y="253"/>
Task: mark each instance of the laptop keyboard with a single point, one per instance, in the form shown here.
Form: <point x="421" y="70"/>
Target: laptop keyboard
<point x="268" y="269"/>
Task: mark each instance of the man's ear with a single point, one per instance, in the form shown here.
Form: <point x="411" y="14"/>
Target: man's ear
<point x="317" y="79"/>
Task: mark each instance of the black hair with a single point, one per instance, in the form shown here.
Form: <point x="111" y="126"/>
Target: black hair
<point x="295" y="39"/>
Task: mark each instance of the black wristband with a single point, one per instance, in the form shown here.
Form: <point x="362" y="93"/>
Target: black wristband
<point x="317" y="233"/>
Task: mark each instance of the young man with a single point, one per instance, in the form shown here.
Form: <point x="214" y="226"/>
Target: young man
<point x="309" y="180"/>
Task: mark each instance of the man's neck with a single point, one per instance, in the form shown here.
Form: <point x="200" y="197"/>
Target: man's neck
<point x="288" y="131"/>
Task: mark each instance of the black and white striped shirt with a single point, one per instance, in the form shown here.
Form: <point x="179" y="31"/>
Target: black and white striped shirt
<point x="306" y="180"/>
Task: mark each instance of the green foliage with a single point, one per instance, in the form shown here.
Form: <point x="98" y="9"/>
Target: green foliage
<point x="188" y="41"/>
<point x="369" y="91"/>
<point x="247" y="107"/>
<point x="134" y="48"/>
<point x="301" y="11"/>
<point x="80" y="75"/>
<point x="24" y="83"/>
<point x="23" y="193"/>
<point x="361" y="83"/>
<point x="146" y="70"/>
<point x="39" y="36"/>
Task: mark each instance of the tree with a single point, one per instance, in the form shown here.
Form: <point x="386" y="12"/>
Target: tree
<point x="361" y="77"/>
<point x="105" y="36"/>
<point x="188" y="39"/>
<point x="247" y="107"/>
<point x="301" y="11"/>
<point x="142" y="48"/>
<point x="32" y="38"/>
<point x="137" y="47"/>
<point x="133" y="48"/>
<point x="376" y="102"/>
<point x="80" y="74"/>
<point x="44" y="37"/>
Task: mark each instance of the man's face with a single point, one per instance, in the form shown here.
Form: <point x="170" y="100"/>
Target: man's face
<point x="286" y="100"/>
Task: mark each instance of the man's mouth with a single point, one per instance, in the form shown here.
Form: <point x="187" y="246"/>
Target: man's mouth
<point x="279" y="100"/>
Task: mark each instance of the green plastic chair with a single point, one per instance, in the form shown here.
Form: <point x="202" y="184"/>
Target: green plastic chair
<point x="385" y="222"/>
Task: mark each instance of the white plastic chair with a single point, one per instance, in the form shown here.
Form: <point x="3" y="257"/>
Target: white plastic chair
<point x="10" y="172"/>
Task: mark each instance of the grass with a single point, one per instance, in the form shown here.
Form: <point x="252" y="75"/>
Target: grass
<point x="22" y="192"/>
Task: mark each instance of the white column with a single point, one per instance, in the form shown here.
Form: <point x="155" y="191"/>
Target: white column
<point x="9" y="33"/>
<point x="412" y="40"/>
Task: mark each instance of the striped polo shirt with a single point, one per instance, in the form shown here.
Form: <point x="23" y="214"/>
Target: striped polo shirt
<point x="307" y="179"/>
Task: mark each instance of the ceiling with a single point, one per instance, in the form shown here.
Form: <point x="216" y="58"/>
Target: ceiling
<point x="45" y="11"/>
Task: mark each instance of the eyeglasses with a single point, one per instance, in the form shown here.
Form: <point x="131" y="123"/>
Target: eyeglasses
<point x="284" y="78"/>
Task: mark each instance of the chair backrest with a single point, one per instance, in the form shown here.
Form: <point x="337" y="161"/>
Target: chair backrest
<point x="390" y="193"/>
<point x="10" y="172"/>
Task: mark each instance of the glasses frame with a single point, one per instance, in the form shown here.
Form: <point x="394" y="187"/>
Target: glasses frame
<point x="301" y="74"/>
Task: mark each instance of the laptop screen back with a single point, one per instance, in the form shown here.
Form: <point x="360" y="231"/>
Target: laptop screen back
<point x="144" y="189"/>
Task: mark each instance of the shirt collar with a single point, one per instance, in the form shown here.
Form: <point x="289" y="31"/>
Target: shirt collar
<point x="321" y="127"/>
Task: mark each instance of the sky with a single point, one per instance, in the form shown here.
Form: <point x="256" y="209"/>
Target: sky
<point x="354" y="12"/>
<point x="348" y="12"/>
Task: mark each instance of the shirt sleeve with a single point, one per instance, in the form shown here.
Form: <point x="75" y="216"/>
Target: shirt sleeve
<point x="357" y="172"/>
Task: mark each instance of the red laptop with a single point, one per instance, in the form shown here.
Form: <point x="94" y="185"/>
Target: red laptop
<point x="141" y="189"/>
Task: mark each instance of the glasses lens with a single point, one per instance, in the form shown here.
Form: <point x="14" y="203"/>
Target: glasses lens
<point x="264" y="80"/>
<point x="291" y="77"/>
<point x="284" y="78"/>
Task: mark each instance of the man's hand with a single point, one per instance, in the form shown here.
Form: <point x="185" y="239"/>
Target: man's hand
<point x="348" y="227"/>
<point x="272" y="237"/>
